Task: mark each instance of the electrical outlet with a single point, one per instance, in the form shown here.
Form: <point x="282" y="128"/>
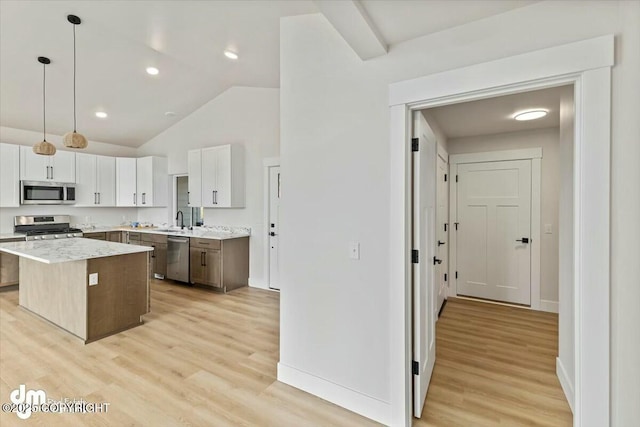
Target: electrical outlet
<point x="93" y="279"/>
<point x="354" y="250"/>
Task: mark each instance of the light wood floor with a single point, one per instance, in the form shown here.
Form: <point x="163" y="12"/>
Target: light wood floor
<point x="495" y="365"/>
<point x="205" y="359"/>
<point x="201" y="359"/>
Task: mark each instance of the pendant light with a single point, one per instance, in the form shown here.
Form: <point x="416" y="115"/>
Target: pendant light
<point x="44" y="148"/>
<point x="74" y="139"/>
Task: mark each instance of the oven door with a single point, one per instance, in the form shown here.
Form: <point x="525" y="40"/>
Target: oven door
<point x="42" y="193"/>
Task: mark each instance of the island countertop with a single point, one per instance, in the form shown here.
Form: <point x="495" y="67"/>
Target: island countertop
<point x="65" y="250"/>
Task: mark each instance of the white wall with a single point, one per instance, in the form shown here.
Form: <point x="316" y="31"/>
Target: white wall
<point x="565" y="249"/>
<point x="105" y="216"/>
<point x="335" y="133"/>
<point x="550" y="179"/>
<point x="242" y="115"/>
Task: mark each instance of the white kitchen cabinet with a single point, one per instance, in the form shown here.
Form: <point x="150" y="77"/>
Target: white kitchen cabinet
<point x="96" y="180"/>
<point x="152" y="182"/>
<point x="194" y="168"/>
<point x="61" y="167"/>
<point x="220" y="176"/>
<point x="126" y="181"/>
<point x="9" y="175"/>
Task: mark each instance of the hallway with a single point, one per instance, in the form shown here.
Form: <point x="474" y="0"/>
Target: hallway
<point x="495" y="365"/>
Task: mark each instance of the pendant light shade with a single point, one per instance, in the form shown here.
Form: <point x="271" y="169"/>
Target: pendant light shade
<point x="44" y="147"/>
<point x="74" y="139"/>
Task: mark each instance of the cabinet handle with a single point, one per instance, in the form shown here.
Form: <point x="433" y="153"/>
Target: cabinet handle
<point x="99" y="198"/>
<point x="134" y="198"/>
<point x="213" y="197"/>
<point x="95" y="198"/>
<point x="51" y="172"/>
<point x="144" y="196"/>
<point x="48" y="172"/>
<point x="153" y="253"/>
<point x="188" y="198"/>
<point x="202" y="258"/>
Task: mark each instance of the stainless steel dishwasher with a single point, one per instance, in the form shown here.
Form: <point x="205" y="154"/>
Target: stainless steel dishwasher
<point x="178" y="258"/>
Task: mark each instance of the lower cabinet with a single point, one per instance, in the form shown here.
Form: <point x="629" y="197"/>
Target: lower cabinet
<point x="158" y="259"/>
<point x="219" y="264"/>
<point x="114" y="236"/>
<point x="9" y="266"/>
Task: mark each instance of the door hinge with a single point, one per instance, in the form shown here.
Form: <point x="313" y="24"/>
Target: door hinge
<point x="415" y="257"/>
<point x="445" y="177"/>
<point x="456" y="274"/>
<point x="415" y="144"/>
<point x="456" y="224"/>
<point x="415" y="367"/>
<point x="456" y="178"/>
<point x="445" y="226"/>
<point x="445" y="277"/>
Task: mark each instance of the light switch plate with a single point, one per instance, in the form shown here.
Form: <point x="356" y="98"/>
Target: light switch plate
<point x="548" y="229"/>
<point x="93" y="279"/>
<point x="354" y="250"/>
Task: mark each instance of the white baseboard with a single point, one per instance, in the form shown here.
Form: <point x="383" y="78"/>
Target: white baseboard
<point x="352" y="400"/>
<point x="565" y="383"/>
<point x="257" y="284"/>
<point x="549" y="306"/>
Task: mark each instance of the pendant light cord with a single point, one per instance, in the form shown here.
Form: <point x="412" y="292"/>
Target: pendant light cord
<point x="44" y="102"/>
<point x="74" y="78"/>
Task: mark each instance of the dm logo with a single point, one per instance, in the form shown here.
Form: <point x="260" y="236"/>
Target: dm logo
<point x="27" y="399"/>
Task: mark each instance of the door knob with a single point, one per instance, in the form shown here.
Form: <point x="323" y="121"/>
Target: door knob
<point x="436" y="261"/>
<point x="441" y="243"/>
<point x="523" y="240"/>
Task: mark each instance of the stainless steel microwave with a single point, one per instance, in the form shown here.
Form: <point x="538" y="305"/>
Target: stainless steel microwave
<point x="47" y="193"/>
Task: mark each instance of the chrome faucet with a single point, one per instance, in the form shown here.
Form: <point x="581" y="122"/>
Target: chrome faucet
<point x="181" y="215"/>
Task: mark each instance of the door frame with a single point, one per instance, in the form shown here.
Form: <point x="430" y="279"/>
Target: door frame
<point x="533" y="154"/>
<point x="267" y="163"/>
<point x="587" y="65"/>
<point x="444" y="155"/>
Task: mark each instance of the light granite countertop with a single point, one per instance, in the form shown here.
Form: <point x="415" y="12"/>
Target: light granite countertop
<point x="216" y="232"/>
<point x="73" y="249"/>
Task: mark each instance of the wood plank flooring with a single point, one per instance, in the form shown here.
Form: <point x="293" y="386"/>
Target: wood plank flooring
<point x="495" y="366"/>
<point x="206" y="359"/>
<point x="200" y="359"/>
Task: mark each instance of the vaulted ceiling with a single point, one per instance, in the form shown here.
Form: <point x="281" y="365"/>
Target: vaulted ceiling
<point x="185" y="40"/>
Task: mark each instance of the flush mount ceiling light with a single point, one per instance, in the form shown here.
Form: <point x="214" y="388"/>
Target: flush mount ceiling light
<point x="44" y="148"/>
<point x="101" y="115"/>
<point x="153" y="71"/>
<point x="74" y="139"/>
<point x="231" y="55"/>
<point x="530" y="115"/>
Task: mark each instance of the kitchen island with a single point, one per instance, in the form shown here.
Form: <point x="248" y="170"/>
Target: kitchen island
<point x="87" y="287"/>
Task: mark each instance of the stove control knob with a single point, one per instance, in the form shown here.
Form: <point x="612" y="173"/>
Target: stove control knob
<point x="56" y="237"/>
<point x="69" y="235"/>
<point x="36" y="238"/>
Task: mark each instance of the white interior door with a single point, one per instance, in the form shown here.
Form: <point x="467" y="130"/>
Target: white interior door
<point x="274" y="226"/>
<point x="442" y="233"/>
<point x="494" y="226"/>
<point x="424" y="241"/>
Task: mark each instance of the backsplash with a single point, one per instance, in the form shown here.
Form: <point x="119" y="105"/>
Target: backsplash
<point x="98" y="216"/>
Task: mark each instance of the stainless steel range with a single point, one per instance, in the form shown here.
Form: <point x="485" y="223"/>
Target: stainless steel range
<point x="45" y="227"/>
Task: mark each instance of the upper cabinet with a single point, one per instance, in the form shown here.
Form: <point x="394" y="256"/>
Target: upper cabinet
<point x="9" y="175"/>
<point x="142" y="182"/>
<point x="216" y="177"/>
<point x="96" y="180"/>
<point x="61" y="167"/>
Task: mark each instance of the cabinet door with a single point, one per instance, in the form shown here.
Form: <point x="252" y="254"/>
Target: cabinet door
<point x="160" y="266"/>
<point x="105" y="180"/>
<point x="223" y="176"/>
<point x="63" y="166"/>
<point x="194" y="169"/>
<point x="144" y="175"/>
<point x="212" y="268"/>
<point x="114" y="236"/>
<point x="9" y="175"/>
<point x="196" y="265"/>
<point x="33" y="167"/>
<point x="209" y="176"/>
<point x="86" y="173"/>
<point x="125" y="181"/>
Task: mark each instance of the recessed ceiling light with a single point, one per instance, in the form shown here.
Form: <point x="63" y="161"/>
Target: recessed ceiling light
<point x="230" y="55"/>
<point x="101" y="114"/>
<point x="153" y="71"/>
<point x="530" y="115"/>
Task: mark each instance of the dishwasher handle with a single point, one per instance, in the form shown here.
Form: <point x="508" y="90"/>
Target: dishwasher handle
<point x="177" y="240"/>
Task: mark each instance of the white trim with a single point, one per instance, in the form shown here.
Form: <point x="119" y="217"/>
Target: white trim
<point x="586" y="65"/>
<point x="565" y="383"/>
<point x="497" y="156"/>
<point x="357" y="402"/>
<point x="533" y="154"/>
<point x="549" y="306"/>
<point x="267" y="162"/>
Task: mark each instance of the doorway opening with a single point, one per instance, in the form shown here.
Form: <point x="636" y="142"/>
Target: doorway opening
<point x="272" y="193"/>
